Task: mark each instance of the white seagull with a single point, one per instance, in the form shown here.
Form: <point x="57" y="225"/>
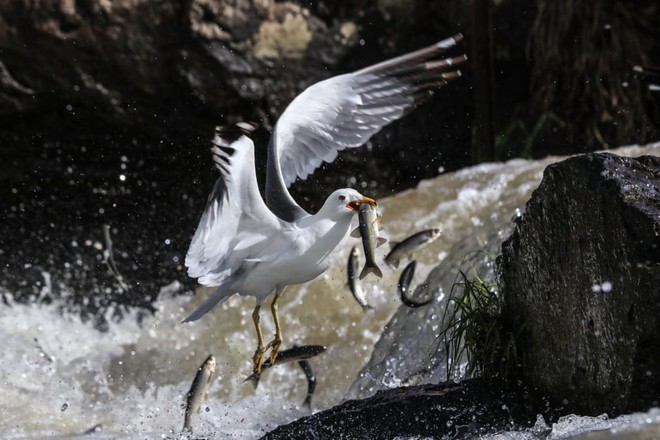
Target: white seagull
<point x="247" y="246"/>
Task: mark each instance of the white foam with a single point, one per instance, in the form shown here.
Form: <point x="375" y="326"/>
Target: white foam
<point x="61" y="376"/>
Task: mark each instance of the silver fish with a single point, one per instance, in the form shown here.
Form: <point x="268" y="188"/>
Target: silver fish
<point x="296" y="353"/>
<point x="382" y="235"/>
<point x="404" y="286"/>
<point x="311" y="382"/>
<point x="353" y="283"/>
<point x="199" y="391"/>
<point x="368" y="228"/>
<point x="410" y="245"/>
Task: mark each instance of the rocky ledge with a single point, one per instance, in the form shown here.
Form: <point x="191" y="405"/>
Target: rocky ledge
<point x="581" y="283"/>
<point x="436" y="411"/>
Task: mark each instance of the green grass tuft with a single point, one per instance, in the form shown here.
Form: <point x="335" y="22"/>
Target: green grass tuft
<point x="476" y="344"/>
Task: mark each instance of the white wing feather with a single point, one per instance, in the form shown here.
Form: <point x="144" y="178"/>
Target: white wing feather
<point x="236" y="224"/>
<point x="329" y="117"/>
<point x="345" y="111"/>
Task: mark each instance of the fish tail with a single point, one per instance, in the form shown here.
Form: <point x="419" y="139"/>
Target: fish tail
<point x="187" y="426"/>
<point x="371" y="269"/>
<point x="254" y="379"/>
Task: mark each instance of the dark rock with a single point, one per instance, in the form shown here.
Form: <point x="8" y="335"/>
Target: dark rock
<point x="144" y="64"/>
<point x="581" y="283"/>
<point x="122" y="62"/>
<point x="453" y="411"/>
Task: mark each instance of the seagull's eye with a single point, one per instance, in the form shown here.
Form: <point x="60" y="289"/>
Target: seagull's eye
<point x="342" y="197"/>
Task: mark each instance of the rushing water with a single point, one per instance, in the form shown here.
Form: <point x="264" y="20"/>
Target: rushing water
<point x="61" y="376"/>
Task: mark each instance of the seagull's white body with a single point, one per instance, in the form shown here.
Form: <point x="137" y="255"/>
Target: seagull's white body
<point x="303" y="249"/>
<point x="308" y="256"/>
<point x="249" y="246"/>
<point x="242" y="247"/>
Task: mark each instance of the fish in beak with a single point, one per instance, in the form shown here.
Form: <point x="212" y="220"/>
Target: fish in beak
<point x="355" y="205"/>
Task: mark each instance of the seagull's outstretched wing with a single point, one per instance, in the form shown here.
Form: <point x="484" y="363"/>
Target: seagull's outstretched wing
<point x="345" y="111"/>
<point x="236" y="225"/>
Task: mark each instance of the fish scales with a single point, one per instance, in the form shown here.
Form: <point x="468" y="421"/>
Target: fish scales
<point x="368" y="226"/>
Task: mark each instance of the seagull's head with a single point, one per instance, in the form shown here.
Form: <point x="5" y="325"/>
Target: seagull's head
<point x="345" y="202"/>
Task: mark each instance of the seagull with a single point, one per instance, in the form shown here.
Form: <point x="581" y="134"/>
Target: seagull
<point x="250" y="246"/>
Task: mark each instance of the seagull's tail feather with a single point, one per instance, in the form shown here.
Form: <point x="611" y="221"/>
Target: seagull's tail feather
<point x="228" y="134"/>
<point x="220" y="295"/>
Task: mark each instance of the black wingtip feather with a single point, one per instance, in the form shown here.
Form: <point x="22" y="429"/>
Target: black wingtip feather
<point x="646" y="73"/>
<point x="231" y="133"/>
<point x="414" y="73"/>
<point x="412" y="58"/>
<point x="225" y="136"/>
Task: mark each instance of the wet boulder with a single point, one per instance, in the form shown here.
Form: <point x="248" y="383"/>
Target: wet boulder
<point x="581" y="283"/>
<point x="451" y="411"/>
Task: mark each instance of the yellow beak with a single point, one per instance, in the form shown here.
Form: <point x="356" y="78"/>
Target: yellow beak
<point x="356" y="204"/>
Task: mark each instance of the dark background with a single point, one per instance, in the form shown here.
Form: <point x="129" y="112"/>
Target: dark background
<point x="107" y="109"/>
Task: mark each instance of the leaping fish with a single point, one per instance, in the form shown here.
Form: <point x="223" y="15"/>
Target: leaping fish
<point x="291" y="355"/>
<point x="311" y="382"/>
<point x="404" y="287"/>
<point x="353" y="283"/>
<point x="410" y="245"/>
<point x="199" y="391"/>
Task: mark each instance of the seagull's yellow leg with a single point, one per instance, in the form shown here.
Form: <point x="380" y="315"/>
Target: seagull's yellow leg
<point x="258" y="358"/>
<point x="275" y="344"/>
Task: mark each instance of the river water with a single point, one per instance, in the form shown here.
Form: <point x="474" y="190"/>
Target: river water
<point x="61" y="376"/>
